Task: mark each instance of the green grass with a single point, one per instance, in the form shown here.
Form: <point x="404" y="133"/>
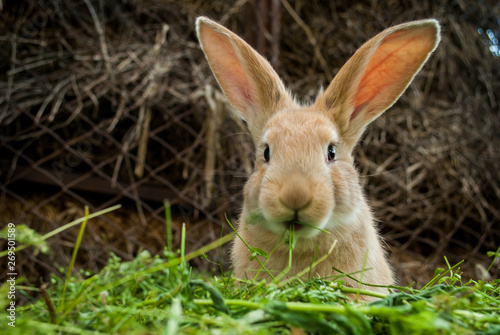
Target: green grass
<point x="161" y="294"/>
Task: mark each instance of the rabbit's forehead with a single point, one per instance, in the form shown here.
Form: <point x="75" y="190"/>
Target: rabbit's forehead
<point x="304" y="127"/>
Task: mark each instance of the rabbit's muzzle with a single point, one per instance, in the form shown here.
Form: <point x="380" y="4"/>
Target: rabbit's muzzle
<point x="296" y="201"/>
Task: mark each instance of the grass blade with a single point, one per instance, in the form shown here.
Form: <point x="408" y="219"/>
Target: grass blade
<point x="73" y="256"/>
<point x="183" y="245"/>
<point x="250" y="249"/>
<point x="168" y="221"/>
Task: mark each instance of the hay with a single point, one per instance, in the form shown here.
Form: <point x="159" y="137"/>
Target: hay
<point x="120" y="91"/>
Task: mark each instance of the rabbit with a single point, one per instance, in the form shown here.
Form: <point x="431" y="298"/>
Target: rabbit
<point x="304" y="177"/>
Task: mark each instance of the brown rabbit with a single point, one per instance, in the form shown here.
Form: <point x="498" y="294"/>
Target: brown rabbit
<point x="304" y="175"/>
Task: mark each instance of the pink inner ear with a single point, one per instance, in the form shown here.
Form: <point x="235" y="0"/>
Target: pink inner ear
<point x="234" y="74"/>
<point x="389" y="71"/>
<point x="227" y="66"/>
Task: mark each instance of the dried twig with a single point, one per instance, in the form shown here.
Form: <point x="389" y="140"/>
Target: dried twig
<point x="48" y="303"/>
<point x="310" y="37"/>
<point x="100" y="32"/>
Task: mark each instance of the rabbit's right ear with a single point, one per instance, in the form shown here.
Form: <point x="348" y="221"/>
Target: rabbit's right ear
<point x="376" y="75"/>
<point x="247" y="79"/>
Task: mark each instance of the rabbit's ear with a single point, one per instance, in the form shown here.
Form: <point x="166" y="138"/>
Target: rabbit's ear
<point x="247" y="79"/>
<point x="377" y="74"/>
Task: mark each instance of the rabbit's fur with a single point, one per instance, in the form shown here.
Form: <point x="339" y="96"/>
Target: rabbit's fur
<point x="295" y="177"/>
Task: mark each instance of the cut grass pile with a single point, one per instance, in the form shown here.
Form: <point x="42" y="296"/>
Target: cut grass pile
<point x="161" y="294"/>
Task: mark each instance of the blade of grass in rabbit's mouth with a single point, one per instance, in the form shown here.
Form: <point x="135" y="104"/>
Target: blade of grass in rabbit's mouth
<point x="299" y="225"/>
<point x="293" y="224"/>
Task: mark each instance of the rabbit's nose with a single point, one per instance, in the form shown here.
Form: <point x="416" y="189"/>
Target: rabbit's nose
<point x="295" y="192"/>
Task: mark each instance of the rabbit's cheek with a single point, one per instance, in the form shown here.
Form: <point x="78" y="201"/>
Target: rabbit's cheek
<point x="270" y="207"/>
<point x="348" y="197"/>
<point x="343" y="185"/>
<point x="252" y="189"/>
<point x="321" y="207"/>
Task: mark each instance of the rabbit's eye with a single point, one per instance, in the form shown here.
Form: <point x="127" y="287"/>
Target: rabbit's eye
<point x="331" y="153"/>
<point x="266" y="154"/>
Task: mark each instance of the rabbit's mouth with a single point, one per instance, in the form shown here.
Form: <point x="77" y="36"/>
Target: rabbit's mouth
<point x="293" y="224"/>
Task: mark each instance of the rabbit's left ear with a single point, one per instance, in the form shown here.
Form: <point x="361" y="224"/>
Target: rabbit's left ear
<point x="376" y="75"/>
<point x="247" y="79"/>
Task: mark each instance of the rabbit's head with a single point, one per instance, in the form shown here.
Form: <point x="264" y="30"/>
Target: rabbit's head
<point x="304" y="172"/>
